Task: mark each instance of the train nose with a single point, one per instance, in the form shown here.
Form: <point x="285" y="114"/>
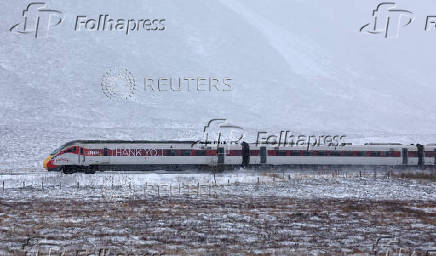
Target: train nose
<point x="46" y="162"/>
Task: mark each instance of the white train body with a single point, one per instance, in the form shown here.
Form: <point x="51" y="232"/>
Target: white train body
<point x="90" y="156"/>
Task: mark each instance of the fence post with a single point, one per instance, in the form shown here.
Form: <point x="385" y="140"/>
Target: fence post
<point x="78" y="185"/>
<point x="179" y="189"/>
<point x="198" y="188"/>
<point x="158" y="193"/>
<point x="42" y="184"/>
<point x="3" y="185"/>
<point x="257" y="180"/>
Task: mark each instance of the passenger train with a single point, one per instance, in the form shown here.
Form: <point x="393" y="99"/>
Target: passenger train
<point x="90" y="156"/>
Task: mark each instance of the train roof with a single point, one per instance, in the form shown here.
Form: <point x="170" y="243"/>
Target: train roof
<point x="200" y="142"/>
<point x="129" y="141"/>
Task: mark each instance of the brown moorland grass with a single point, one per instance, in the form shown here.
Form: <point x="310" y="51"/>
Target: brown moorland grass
<point x="216" y="225"/>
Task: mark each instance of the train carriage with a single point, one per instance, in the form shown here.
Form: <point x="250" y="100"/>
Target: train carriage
<point x="90" y="156"/>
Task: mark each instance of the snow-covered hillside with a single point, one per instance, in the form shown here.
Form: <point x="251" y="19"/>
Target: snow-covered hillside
<point x="296" y="65"/>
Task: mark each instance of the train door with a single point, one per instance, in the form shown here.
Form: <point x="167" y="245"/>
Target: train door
<point x="263" y="155"/>
<point x="420" y="153"/>
<point x="105" y="158"/>
<point x="81" y="156"/>
<point x="245" y="154"/>
<point x="434" y="157"/>
<point x="220" y="154"/>
<point x="404" y="153"/>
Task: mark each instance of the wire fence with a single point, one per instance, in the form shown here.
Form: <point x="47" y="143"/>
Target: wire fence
<point x="205" y="186"/>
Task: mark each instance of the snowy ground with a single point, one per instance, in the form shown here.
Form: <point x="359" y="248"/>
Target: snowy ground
<point x="301" y="66"/>
<point x="240" y="212"/>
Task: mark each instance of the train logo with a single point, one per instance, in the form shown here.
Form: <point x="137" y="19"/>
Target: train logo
<point x="118" y="83"/>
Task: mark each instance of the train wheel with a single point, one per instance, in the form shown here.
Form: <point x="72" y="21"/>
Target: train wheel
<point x="68" y="170"/>
<point x="90" y="170"/>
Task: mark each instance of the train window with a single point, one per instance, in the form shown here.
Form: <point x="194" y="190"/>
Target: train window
<point x="200" y="152"/>
<point x="413" y="154"/>
<point x="360" y="153"/>
<point x="429" y="154"/>
<point x="295" y="153"/>
<point x="373" y="153"/>
<point x="348" y="153"/>
<point x="185" y="152"/>
<point x="335" y="153"/>
<point x="281" y="152"/>
<point x="234" y="152"/>
<point x="306" y="153"/>
<point x="272" y="152"/>
<point x="70" y="150"/>
<point x="389" y="153"/>
<point x="57" y="150"/>
<point x="170" y="152"/>
<point x="322" y="153"/>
